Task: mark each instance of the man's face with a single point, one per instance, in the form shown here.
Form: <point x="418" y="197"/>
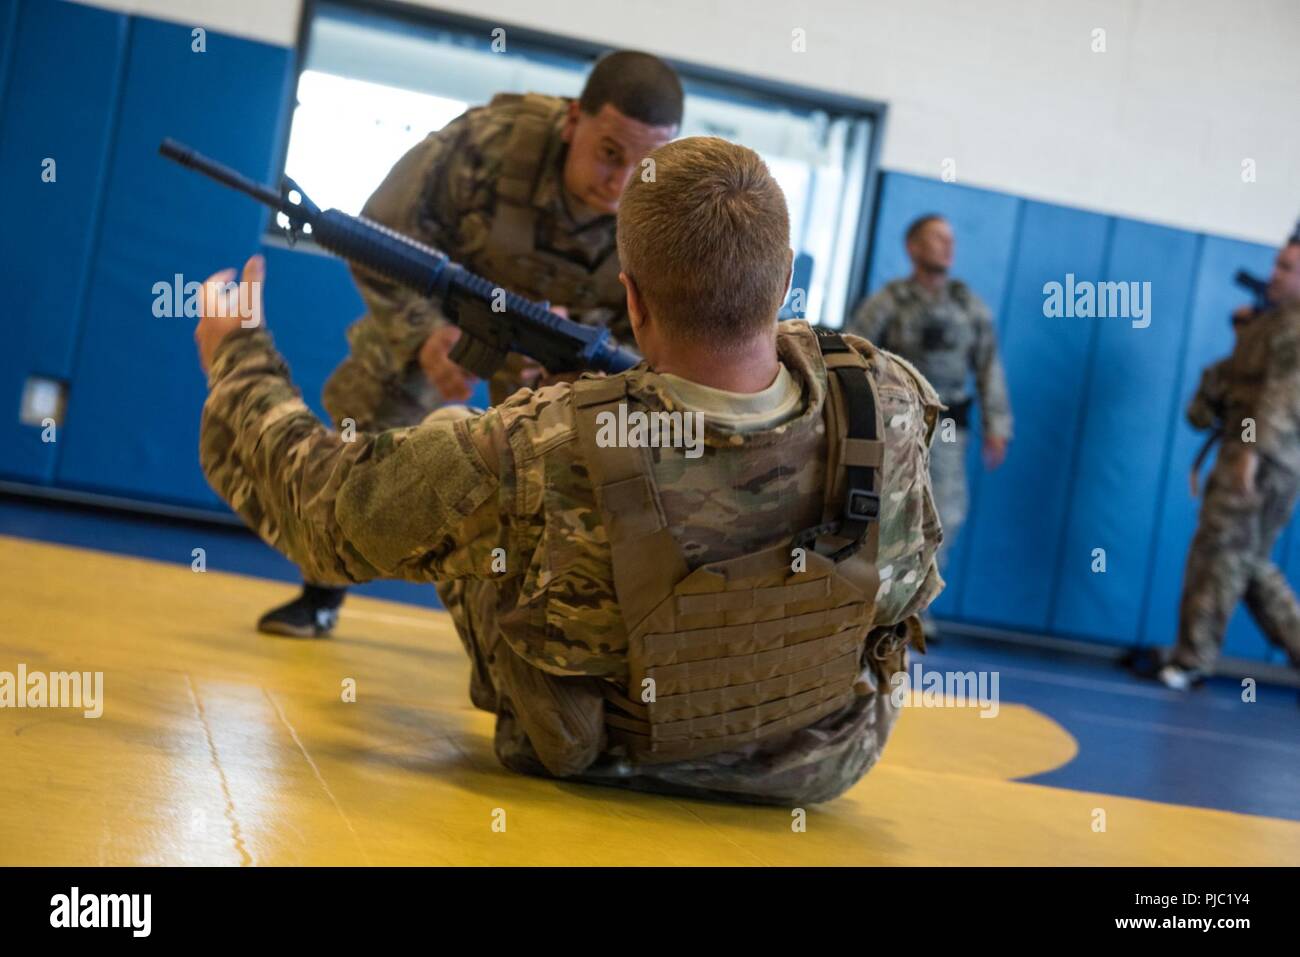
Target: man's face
<point x="931" y="249"/>
<point x="1284" y="284"/>
<point x="604" y="151"/>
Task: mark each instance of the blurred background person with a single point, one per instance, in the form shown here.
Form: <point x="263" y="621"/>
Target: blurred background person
<point x="938" y="324"/>
<point x="1253" y="397"/>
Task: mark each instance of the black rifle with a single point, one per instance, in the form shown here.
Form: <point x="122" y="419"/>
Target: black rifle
<point x="494" y="322"/>
<point x="1258" y="289"/>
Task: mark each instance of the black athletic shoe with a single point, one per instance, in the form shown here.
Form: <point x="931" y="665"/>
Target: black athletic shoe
<point x="313" y="614"/>
<point x="1144" y="662"/>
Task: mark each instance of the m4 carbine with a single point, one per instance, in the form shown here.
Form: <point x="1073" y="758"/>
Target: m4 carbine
<point x="1258" y="289"/>
<point x="493" y="321"/>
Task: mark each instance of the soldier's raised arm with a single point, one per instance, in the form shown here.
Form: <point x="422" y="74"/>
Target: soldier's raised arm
<point x="990" y="379"/>
<point x="419" y="503"/>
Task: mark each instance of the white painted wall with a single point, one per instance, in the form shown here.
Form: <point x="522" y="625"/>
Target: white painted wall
<point x="1156" y="128"/>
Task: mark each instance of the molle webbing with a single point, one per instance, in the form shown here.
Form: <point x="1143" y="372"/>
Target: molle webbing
<point x="521" y="162"/>
<point x="741" y="650"/>
<point x="647" y="562"/>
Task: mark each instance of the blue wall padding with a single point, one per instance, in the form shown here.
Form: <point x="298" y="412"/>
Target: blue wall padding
<point x="1120" y="461"/>
<point x="60" y="108"/>
<point x="310" y="300"/>
<point x="134" y="411"/>
<point x="1101" y="450"/>
<point x="8" y="29"/>
<point x="985" y="223"/>
<point x="1209" y="337"/>
<point x="1017" y="529"/>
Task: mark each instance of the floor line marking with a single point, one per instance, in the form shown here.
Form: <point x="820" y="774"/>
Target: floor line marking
<point x="319" y="777"/>
<point x="245" y="858"/>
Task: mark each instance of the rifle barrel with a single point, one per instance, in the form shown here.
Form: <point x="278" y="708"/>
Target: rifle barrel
<point x="223" y="174"/>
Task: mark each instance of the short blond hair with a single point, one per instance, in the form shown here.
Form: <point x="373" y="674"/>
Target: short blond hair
<point x="705" y="234"/>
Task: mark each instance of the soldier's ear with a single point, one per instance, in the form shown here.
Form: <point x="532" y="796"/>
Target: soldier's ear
<point x="570" y="122"/>
<point x="636" y="311"/>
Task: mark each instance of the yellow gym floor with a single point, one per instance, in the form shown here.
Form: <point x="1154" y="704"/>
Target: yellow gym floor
<point x="218" y="745"/>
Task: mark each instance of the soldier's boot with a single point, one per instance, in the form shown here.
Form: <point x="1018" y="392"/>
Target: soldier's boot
<point x="1178" y="678"/>
<point x="313" y="614"/>
<point x="1144" y="662"/>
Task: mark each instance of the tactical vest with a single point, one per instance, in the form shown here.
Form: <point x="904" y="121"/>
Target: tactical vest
<point x="512" y="256"/>
<point x="939" y="341"/>
<point x="746" y="649"/>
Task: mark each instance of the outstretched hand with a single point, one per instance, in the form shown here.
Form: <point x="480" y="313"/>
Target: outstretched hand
<point x="225" y="306"/>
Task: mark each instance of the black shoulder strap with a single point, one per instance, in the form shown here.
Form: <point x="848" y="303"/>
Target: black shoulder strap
<point x="862" y="490"/>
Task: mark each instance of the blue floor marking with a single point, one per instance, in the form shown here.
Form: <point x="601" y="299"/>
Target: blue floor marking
<point x="1206" y="748"/>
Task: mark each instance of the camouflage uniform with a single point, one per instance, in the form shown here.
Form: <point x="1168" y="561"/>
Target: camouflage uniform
<point x="487" y="190"/>
<point x="546" y="636"/>
<point x="1230" y="556"/>
<point x="945" y="337"/>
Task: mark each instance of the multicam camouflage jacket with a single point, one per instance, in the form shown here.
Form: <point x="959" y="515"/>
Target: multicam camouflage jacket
<point x="448" y="192"/>
<point x="945" y="337"/>
<point x="455" y="499"/>
<point x="1254" y="394"/>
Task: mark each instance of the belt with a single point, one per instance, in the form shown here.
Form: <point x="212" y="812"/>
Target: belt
<point x="959" y="412"/>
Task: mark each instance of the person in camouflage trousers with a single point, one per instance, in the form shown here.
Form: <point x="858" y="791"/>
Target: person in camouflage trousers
<point x="521" y="191"/>
<point x="946" y="331"/>
<point x="1252" y="400"/>
<point x="505" y="507"/>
